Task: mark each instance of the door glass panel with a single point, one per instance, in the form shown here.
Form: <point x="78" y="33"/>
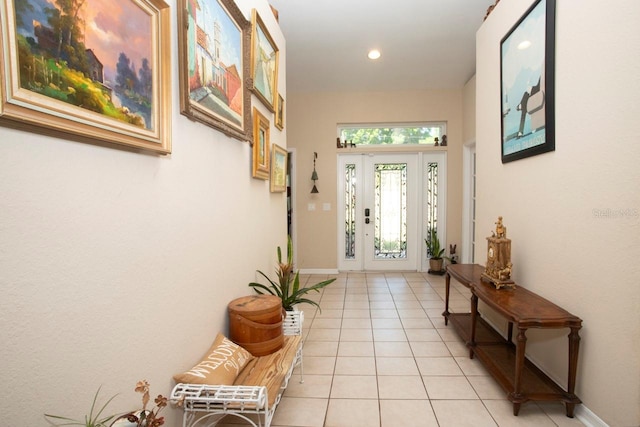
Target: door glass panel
<point x="350" y="211"/>
<point x="390" y="213"/>
<point x="432" y="197"/>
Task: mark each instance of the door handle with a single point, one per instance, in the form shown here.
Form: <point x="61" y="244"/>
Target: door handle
<point x="366" y="212"/>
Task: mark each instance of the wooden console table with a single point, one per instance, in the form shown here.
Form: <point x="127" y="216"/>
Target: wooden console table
<point x="505" y="361"/>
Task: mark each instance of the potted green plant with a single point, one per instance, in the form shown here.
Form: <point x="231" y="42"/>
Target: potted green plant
<point x="90" y="420"/>
<point x="287" y="288"/>
<point x="434" y="252"/>
<point x="139" y="418"/>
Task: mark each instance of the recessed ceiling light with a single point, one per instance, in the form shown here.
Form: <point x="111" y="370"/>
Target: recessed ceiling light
<point x="374" y="54"/>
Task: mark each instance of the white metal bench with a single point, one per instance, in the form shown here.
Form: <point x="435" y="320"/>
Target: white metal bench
<point x="257" y="390"/>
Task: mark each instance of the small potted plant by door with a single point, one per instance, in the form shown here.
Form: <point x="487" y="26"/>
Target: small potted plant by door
<point x="435" y="253"/>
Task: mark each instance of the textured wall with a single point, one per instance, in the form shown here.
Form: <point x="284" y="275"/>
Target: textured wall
<point x="574" y="214"/>
<point x="117" y="266"/>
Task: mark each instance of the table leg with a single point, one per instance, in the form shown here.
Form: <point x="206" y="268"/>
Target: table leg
<point x="574" y="345"/>
<point x="516" y="408"/>
<point x="521" y="343"/>
<point x="474" y="319"/>
<point x="447" y="284"/>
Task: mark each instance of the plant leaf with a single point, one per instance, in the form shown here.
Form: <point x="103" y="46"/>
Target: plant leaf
<point x="296" y="282"/>
<point x="272" y="288"/>
<point x="103" y="408"/>
<point x="308" y="301"/>
<point x="289" y="250"/>
<point x="318" y="286"/>
<point x="267" y="277"/>
<point x="259" y="287"/>
<point x="57" y="417"/>
<point x="93" y="404"/>
<point x="89" y="420"/>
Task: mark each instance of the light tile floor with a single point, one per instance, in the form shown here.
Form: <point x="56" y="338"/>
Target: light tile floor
<point x="380" y="355"/>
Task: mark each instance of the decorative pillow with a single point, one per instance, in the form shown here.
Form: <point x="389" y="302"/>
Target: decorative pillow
<point x="220" y="365"/>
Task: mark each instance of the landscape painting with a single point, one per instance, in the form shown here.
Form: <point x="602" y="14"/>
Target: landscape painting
<point x="264" y="63"/>
<point x="94" y="62"/>
<point x="214" y="65"/>
<point x="278" y="169"/>
<point x="261" y="146"/>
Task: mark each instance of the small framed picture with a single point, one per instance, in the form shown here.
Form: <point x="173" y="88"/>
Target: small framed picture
<point x="260" y="161"/>
<point x="278" y="169"/>
<point x="280" y="113"/>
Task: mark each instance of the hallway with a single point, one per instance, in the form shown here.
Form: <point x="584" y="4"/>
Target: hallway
<point x="379" y="354"/>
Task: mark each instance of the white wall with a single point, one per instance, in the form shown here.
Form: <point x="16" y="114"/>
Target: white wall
<point x="564" y="245"/>
<point x="469" y="111"/>
<point x="313" y="120"/>
<point x="117" y="266"/>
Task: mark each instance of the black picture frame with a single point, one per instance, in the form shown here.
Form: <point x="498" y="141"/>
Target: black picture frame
<point x="527" y="96"/>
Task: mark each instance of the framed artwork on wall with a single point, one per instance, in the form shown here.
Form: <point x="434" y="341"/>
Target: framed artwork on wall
<point x="280" y="113"/>
<point x="527" y="84"/>
<point x="260" y="161"/>
<point x="264" y="63"/>
<point x="101" y="75"/>
<point x="278" y="169"/>
<point x="213" y="58"/>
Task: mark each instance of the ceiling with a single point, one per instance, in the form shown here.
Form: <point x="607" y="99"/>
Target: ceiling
<point x="425" y="44"/>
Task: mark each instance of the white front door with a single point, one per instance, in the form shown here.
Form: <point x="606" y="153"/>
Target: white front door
<point x="379" y="205"/>
<point x="386" y="204"/>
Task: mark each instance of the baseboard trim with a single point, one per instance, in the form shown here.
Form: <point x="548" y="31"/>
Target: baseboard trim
<point x="588" y="418"/>
<point x="318" y="271"/>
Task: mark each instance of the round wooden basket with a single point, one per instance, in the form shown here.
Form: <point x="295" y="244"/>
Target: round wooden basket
<point x="255" y="323"/>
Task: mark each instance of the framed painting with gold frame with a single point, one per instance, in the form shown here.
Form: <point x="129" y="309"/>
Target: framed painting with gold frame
<point x="214" y="44"/>
<point x="265" y="57"/>
<point x="260" y="161"/>
<point x="278" y="169"/>
<point x="74" y="78"/>
<point x="280" y="113"/>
